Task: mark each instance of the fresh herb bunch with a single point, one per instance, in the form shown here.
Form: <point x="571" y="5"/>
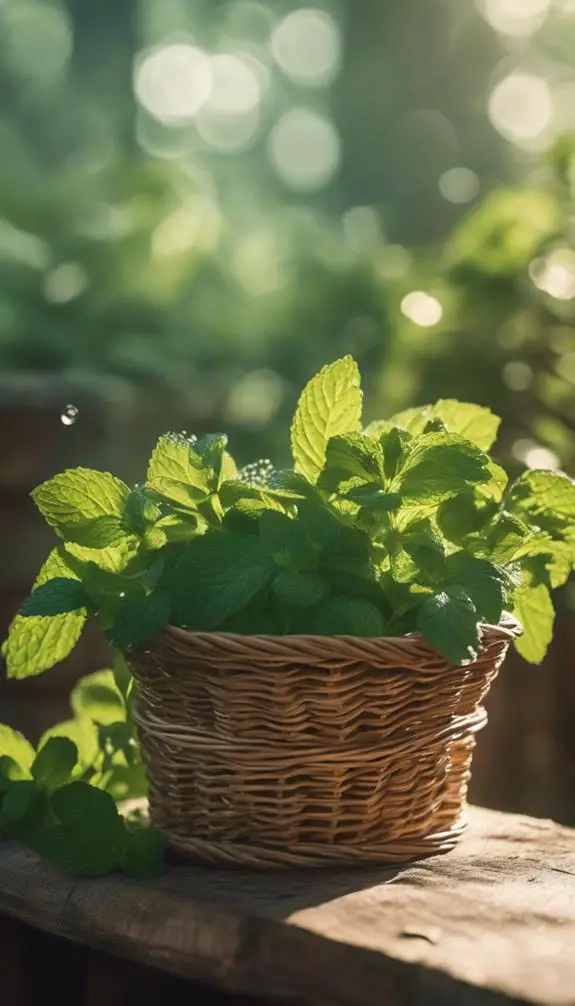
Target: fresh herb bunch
<point x="60" y="799"/>
<point x="406" y="525"/>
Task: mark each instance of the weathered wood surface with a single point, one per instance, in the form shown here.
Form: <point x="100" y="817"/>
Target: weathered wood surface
<point x="492" y="922"/>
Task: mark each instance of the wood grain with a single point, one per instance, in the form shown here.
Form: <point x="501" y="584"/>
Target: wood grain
<point x="492" y="922"/>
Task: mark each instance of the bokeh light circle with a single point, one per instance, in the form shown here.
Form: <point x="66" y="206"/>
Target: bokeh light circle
<point x="173" y="82"/>
<point x="305" y="150"/>
<point x="306" y="45"/>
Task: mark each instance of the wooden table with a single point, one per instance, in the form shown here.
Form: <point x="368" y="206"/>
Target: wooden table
<point x="492" y="922"/>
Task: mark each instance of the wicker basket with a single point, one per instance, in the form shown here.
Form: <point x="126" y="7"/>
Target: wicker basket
<point x="276" y="751"/>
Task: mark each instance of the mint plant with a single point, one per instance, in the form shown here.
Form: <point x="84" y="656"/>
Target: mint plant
<point x="406" y="525"/>
<point x="61" y="799"/>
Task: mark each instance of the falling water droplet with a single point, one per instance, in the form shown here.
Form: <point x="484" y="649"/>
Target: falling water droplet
<point x="69" y="415"/>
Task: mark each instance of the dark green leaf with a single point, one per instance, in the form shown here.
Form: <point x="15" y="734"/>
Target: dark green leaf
<point x="449" y="621"/>
<point x="77" y="851"/>
<point x="217" y="575"/>
<point x="339" y="616"/>
<point x="298" y="590"/>
<point x="138" y="617"/>
<point x="482" y="582"/>
<point x="55" y="762"/>
<point x="18" y="802"/>
<point x="56" y="597"/>
<point x="141" y="510"/>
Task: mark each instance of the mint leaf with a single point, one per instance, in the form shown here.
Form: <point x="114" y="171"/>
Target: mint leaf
<point x="473" y="422"/>
<point x="76" y="500"/>
<point x="81" y="806"/>
<point x="545" y="499"/>
<point x="177" y="472"/>
<point x="534" y="609"/>
<point x="464" y="515"/>
<point x="298" y="590"/>
<point x="285" y="541"/>
<point x="139" y="616"/>
<point x="411" y="420"/>
<point x="82" y="733"/>
<point x="440" y="465"/>
<point x="98" y="697"/>
<point x="10" y="771"/>
<point x="546" y="560"/>
<point x="56" y="597"/>
<point x="448" y="619"/>
<point x="55" y="763"/>
<point x="19" y="800"/>
<point x="330" y="404"/>
<point x="395" y="444"/>
<point x="15" y="746"/>
<point x="212" y="448"/>
<point x="351" y="454"/>
<point x="140" y="510"/>
<point x="339" y="616"/>
<point x="143" y="852"/>
<point x="217" y="575"/>
<point x="482" y="582"/>
<point x="321" y="527"/>
<point x="38" y="642"/>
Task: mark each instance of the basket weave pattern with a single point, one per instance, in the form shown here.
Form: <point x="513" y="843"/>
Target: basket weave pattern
<point x="270" y="751"/>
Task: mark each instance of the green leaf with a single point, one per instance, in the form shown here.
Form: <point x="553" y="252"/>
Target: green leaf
<point x="546" y="500"/>
<point x="125" y="782"/>
<point x="217" y="575"/>
<point x="15" y="746"/>
<point x="329" y="405"/>
<point x="298" y="590"/>
<point x="411" y="420"/>
<point x="440" y="465"/>
<point x="395" y="444"/>
<point x="38" y="642"/>
<point x="351" y="454"/>
<point x="378" y="500"/>
<point x="320" y="525"/>
<point x="10" y="771"/>
<point x="143" y="852"/>
<point x="285" y="540"/>
<point x="124" y="558"/>
<point x="547" y="561"/>
<point x="503" y="538"/>
<point x="464" y="515"/>
<point x="339" y="616"/>
<point x="212" y="448"/>
<point x="534" y="609"/>
<point x="481" y="581"/>
<point x="140" y="510"/>
<point x="55" y="762"/>
<point x="178" y="472"/>
<point x="56" y="597"/>
<point x="473" y="422"/>
<point x="448" y="619"/>
<point x="78" y="497"/>
<point x="139" y="616"/>
<point x="98" y="697"/>
<point x="19" y="801"/>
<point x="82" y="733"/>
<point x="87" y="809"/>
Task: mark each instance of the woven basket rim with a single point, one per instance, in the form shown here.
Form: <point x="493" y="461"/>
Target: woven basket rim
<point x="508" y="628"/>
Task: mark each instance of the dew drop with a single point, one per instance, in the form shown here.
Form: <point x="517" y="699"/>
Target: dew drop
<point x="69" y="415"/>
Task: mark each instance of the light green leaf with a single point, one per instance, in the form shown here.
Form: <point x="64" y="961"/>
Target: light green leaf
<point x="298" y="590"/>
<point x="218" y="574"/>
<point x="56" y="597"/>
<point x="15" y="746"/>
<point x="448" y="619"/>
<point x="54" y="763"/>
<point x="178" y="472"/>
<point x="547" y="500"/>
<point x="80" y="496"/>
<point x="38" y="642"/>
<point x="411" y="420"/>
<point x="473" y="422"/>
<point x="139" y="616"/>
<point x="440" y="465"/>
<point x="97" y="697"/>
<point x="329" y="405"/>
<point x="534" y="609"/>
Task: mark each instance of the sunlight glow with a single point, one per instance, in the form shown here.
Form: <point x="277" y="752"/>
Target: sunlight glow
<point x="173" y="82"/>
<point x="521" y="107"/>
<point x="235" y="88"/>
<point x="421" y="309"/>
<point x="459" y="185"/>
<point x="516" y="18"/>
<point x="533" y="455"/>
<point x="306" y="45"/>
<point x="305" y="150"/>
<point x="555" y="274"/>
